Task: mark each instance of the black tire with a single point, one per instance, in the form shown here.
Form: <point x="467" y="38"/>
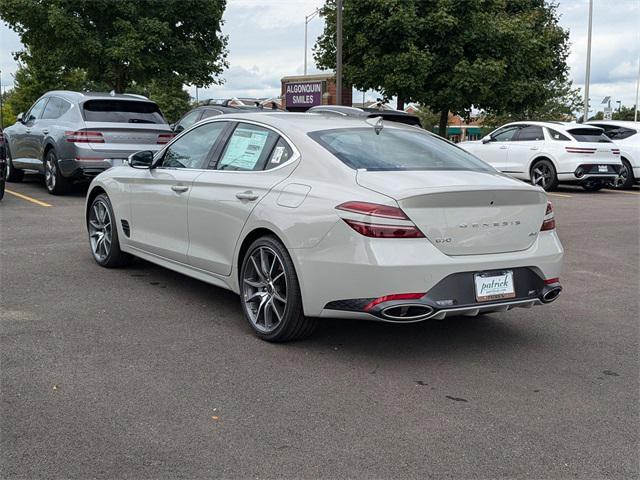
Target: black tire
<point x="55" y="183"/>
<point x="12" y="175"/>
<point x="289" y="325"/>
<point x="114" y="257"/>
<point x="1" y="187"/>
<point x="544" y="174"/>
<point x="593" y="185"/>
<point x="625" y="178"/>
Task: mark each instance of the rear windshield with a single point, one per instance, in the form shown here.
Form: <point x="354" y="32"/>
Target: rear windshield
<point x="122" y="111"/>
<point x="618" y="133"/>
<point x="589" y="135"/>
<point x="395" y="149"/>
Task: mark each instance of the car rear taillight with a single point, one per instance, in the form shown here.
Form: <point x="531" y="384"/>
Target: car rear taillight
<point x="549" y="222"/>
<point x="165" y="138"/>
<point x="84" y="136"/>
<point x="367" y="226"/>
<point x="395" y="296"/>
<point x="549" y="281"/>
<point x="582" y="150"/>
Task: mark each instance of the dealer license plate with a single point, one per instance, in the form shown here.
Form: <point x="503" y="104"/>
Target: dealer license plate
<point x="494" y="286"/>
<point x="603" y="168"/>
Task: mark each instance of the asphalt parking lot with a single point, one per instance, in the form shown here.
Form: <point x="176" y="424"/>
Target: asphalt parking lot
<point x="144" y="373"/>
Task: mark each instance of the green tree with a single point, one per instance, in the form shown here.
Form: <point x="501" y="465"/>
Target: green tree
<point x="499" y="55"/>
<point x="124" y="42"/>
<point x="625" y="113"/>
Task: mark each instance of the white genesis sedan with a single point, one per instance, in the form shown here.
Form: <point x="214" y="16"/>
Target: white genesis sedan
<point x="308" y="216"/>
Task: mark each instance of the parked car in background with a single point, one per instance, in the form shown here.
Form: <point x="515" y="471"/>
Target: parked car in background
<point x="343" y="111"/>
<point x="71" y="137"/>
<point x="549" y="153"/>
<point x="3" y="164"/>
<point x="309" y="216"/>
<point x="625" y="135"/>
<point x="206" y="111"/>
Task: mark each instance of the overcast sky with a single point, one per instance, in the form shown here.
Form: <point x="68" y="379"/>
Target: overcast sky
<point x="266" y="42"/>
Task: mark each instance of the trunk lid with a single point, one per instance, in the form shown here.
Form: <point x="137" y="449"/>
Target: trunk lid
<point x="127" y="138"/>
<point x="465" y="212"/>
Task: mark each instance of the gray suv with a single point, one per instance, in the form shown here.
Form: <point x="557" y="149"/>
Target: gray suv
<point x="70" y="137"/>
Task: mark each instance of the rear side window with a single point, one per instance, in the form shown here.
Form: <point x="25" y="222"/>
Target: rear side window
<point x="248" y="148"/>
<point x="556" y="135"/>
<point x="122" y="111"/>
<point x="210" y="113"/>
<point x="589" y="135"/>
<point x="531" y="132"/>
<point x="56" y="107"/>
<point x="280" y="154"/>
<point x="395" y="149"/>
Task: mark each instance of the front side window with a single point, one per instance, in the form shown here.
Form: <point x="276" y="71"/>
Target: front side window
<point x="530" y="133"/>
<point x="589" y="135"/>
<point x="188" y="120"/>
<point x="192" y="149"/>
<point x="36" y="111"/>
<point x="248" y="148"/>
<point x="122" y="111"/>
<point x="396" y="149"/>
<point x="56" y="107"/>
<point x="505" y="134"/>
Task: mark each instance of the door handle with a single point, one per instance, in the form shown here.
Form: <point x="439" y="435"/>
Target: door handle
<point x="503" y="147"/>
<point x="28" y="130"/>
<point x="45" y="131"/>
<point x="248" y="195"/>
<point x="534" y="148"/>
<point x="179" y="188"/>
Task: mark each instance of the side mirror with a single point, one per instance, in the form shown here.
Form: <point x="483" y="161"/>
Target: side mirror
<point x="177" y="128"/>
<point x="142" y="160"/>
<point x="20" y="117"/>
<point x="486" y="139"/>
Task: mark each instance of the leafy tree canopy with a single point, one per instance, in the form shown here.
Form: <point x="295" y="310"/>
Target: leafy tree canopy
<point x="506" y="56"/>
<point x="123" y="42"/>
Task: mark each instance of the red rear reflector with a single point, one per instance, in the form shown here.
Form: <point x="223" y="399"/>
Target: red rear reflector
<point x="395" y="296"/>
<point x="83" y="136"/>
<point x="374" y="209"/>
<point x="549" y="222"/>
<point x="377" y="230"/>
<point x="549" y="281"/>
<point x="615" y="151"/>
<point x="165" y="138"/>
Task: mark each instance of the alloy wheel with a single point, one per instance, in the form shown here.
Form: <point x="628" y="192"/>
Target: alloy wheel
<point x="100" y="233"/>
<point x="50" y="173"/>
<point x="542" y="175"/>
<point x="623" y="176"/>
<point x="264" y="289"/>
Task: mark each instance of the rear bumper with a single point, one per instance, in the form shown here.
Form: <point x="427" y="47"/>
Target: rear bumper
<point x="87" y="160"/>
<point x="589" y="171"/>
<point x="85" y="168"/>
<point x="346" y="265"/>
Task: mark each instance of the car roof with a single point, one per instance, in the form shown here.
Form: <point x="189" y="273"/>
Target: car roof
<point x="617" y="123"/>
<point x="562" y="126"/>
<point x="306" y="122"/>
<point x="81" y="96"/>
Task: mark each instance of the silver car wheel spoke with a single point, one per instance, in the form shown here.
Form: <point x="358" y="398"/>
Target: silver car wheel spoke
<point x="100" y="233"/>
<point x="264" y="285"/>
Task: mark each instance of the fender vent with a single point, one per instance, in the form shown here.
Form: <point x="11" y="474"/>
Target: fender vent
<point x="125" y="227"/>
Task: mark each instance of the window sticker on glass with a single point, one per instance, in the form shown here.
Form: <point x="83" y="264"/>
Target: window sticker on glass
<point x="244" y="149"/>
<point x="277" y="154"/>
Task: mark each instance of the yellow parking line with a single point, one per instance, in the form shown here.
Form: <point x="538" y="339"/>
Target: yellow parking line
<point x="559" y="195"/>
<point x="29" y="199"/>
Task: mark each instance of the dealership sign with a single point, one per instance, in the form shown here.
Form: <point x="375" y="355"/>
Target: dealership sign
<point x="303" y="94"/>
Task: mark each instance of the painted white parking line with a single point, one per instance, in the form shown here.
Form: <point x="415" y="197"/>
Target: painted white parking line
<point x="559" y="195"/>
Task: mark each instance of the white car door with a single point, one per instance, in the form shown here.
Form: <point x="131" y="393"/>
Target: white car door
<point x="523" y="147"/>
<point x="251" y="163"/>
<point x="160" y="196"/>
<point x="495" y="151"/>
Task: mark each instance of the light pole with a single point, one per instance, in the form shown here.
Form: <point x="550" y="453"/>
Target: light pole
<point x="588" y="73"/>
<point x="339" y="52"/>
<point x="307" y="19"/>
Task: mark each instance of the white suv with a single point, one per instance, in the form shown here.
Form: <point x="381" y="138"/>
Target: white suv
<point x="625" y="135"/>
<point x="548" y="153"/>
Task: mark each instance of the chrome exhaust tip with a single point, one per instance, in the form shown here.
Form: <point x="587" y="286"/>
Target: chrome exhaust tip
<point x="408" y="312"/>
<point x="551" y="294"/>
